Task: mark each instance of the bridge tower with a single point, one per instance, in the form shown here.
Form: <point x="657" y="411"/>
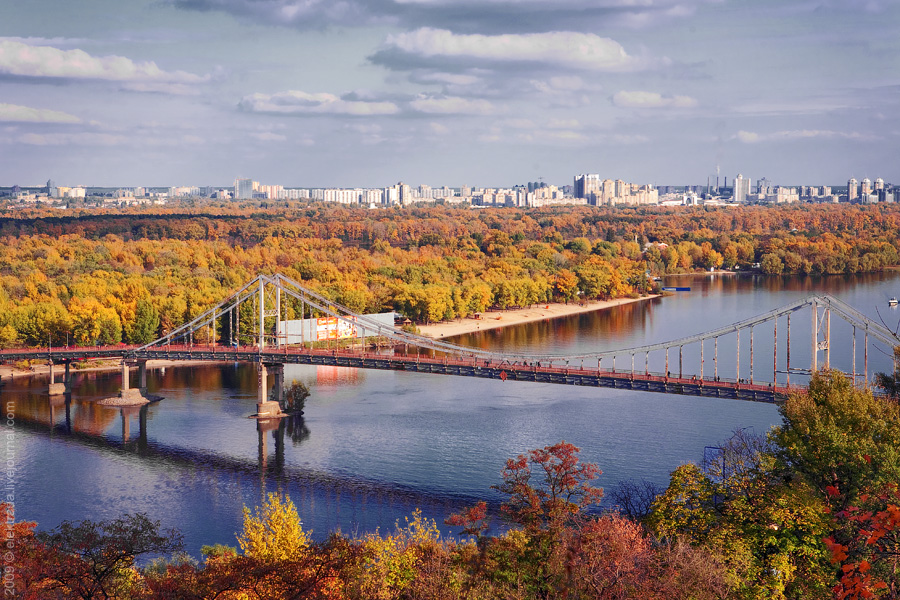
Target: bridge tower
<point x="821" y="336"/>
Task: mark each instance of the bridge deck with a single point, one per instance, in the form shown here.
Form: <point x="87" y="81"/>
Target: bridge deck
<point x="618" y="379"/>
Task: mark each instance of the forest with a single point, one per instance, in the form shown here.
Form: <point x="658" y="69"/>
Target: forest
<point x="129" y="275"/>
<point x="811" y="510"/>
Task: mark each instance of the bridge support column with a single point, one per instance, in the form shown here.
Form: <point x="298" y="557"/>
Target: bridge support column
<point x="262" y="315"/>
<point x="813" y="366"/>
<point x="788" y="367"/>
<point x="276" y="372"/>
<point x="716" y="359"/>
<point x="55" y="389"/>
<point x="278" y="316"/>
<point x="751" y="355"/>
<point x="142" y="376"/>
<point x="265" y="408"/>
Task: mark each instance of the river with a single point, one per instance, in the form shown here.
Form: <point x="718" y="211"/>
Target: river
<point x="374" y="445"/>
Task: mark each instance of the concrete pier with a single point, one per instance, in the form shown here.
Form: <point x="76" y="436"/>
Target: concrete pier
<point x="264" y="407"/>
<point x="56" y="389"/>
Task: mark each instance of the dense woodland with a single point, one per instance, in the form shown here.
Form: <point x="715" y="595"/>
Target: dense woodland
<point x="129" y="275"/>
<point x="810" y="511"/>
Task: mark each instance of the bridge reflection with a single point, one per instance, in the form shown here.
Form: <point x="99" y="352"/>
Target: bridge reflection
<point x="78" y="422"/>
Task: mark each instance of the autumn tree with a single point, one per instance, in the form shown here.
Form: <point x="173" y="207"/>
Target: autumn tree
<point x="548" y="486"/>
<point x="96" y="559"/>
<point x="889" y="382"/>
<point x="273" y="531"/>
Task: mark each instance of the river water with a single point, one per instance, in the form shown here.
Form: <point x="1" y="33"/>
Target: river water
<point x="373" y="445"/>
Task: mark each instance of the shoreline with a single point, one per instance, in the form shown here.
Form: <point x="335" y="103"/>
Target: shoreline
<point x="518" y="316"/>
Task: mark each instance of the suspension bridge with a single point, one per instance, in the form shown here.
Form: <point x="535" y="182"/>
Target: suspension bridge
<point x="273" y="321"/>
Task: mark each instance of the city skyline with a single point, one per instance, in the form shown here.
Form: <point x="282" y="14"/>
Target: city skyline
<point x="444" y="92"/>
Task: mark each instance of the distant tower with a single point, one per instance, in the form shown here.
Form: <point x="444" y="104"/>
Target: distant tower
<point x="852" y="190"/>
<point x="879" y="184"/>
<point x="587" y="187"/>
<point x="243" y="189"/>
<point x="866" y="187"/>
<point x="741" y="189"/>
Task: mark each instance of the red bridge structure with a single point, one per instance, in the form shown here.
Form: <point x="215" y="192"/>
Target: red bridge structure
<point x="250" y="326"/>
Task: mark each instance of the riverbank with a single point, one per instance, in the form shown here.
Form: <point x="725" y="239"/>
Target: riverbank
<point x="506" y="318"/>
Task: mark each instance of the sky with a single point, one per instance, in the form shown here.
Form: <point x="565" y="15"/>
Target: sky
<point x="494" y="93"/>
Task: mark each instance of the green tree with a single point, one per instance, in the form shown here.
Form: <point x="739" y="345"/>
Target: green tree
<point x="771" y="264"/>
<point x="889" y="382"/>
<point x="838" y="437"/>
<point x="145" y="328"/>
<point x="42" y="323"/>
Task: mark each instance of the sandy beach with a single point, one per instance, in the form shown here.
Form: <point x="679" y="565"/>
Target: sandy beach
<point x="505" y="318"/>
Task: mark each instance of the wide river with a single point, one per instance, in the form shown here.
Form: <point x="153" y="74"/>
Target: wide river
<point x="374" y="445"/>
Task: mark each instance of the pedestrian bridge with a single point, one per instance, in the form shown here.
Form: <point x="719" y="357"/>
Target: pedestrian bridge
<point x="249" y="326"/>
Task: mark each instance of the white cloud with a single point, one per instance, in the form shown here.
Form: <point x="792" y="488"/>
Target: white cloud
<point x="749" y="137"/>
<point x="805" y="106"/>
<point x="268" y="136"/>
<point x="567" y="48"/>
<point x="296" y="102"/>
<point x="438" y="129"/>
<point x="449" y="105"/>
<point x="639" y="99"/>
<point x="25" y="60"/>
<point x="26" y="114"/>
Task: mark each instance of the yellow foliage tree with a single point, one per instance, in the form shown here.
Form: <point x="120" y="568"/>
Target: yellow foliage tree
<point x="273" y="531"/>
<point x="85" y="314"/>
<point x="393" y="560"/>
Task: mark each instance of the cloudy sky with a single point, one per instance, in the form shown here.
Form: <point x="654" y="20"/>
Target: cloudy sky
<point x="348" y="93"/>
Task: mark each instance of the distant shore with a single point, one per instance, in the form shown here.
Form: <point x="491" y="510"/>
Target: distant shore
<point x="506" y="318"/>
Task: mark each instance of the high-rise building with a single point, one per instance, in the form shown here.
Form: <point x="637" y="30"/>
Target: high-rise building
<point x="243" y="189"/>
<point x="865" y="187"/>
<point x="741" y="188"/>
<point x="852" y="190"/>
<point x="764" y="187"/>
<point x="879" y="184"/>
<point x="587" y="187"/>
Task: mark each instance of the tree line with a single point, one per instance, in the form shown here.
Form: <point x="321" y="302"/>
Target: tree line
<point x="104" y="277"/>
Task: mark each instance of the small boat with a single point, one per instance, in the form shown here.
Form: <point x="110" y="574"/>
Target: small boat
<point x="892" y="302"/>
